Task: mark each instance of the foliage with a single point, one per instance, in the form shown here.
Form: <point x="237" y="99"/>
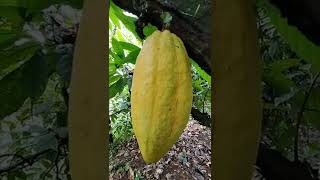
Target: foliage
<point x="287" y="80"/>
<point x="304" y="48"/>
<point x="35" y="71"/>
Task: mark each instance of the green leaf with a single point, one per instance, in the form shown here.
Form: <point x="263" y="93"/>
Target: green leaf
<point x="114" y="18"/>
<point x="116" y="46"/>
<point x="117" y="87"/>
<point x="13" y="14"/>
<point x="197" y="85"/>
<point x="16" y="54"/>
<point x="113" y="79"/>
<point x="7" y="35"/>
<point x="275" y="77"/>
<point x="127" y="21"/>
<point x="149" y="29"/>
<point x="116" y="59"/>
<point x="282" y="65"/>
<point x="29" y="80"/>
<point x="202" y="73"/>
<point x="303" y="47"/>
<point x="312" y="113"/>
<point x="132" y="57"/>
<point x="8" y="40"/>
<point x="128" y="46"/>
<point x="112" y="68"/>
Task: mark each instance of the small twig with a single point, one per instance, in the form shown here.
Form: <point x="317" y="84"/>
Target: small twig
<point x="299" y="119"/>
<point x="195" y="13"/>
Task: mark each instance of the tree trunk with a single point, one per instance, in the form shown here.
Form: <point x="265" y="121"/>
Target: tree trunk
<point x="237" y="90"/>
<point x="87" y="104"/>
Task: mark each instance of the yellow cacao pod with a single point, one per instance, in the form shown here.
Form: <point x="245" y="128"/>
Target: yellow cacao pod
<point x="161" y="94"/>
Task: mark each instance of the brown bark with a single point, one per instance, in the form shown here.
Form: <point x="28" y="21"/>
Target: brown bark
<point x="195" y="38"/>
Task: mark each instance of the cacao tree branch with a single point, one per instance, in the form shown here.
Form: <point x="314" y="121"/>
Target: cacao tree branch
<point x="195" y="39"/>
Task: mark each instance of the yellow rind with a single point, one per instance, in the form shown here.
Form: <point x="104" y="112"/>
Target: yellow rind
<point x="161" y="95"/>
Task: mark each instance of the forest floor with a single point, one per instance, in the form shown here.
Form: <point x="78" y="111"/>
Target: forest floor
<point x="189" y="158"/>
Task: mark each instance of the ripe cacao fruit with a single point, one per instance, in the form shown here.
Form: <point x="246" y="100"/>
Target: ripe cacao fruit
<point x="161" y="94"/>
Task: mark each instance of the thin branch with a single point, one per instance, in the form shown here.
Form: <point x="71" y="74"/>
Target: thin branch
<point x="48" y="171"/>
<point x="299" y="119"/>
<point x="27" y="161"/>
<point x="14" y="156"/>
<point x="312" y="109"/>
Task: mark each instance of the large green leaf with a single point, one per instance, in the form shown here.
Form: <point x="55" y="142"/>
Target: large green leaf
<point x="114" y="18"/>
<point x="15" y="54"/>
<point x="303" y="47"/>
<point x="29" y="80"/>
<point x="7" y="35"/>
<point x="113" y="79"/>
<point x="132" y="56"/>
<point x="312" y="113"/>
<point x="112" y="68"/>
<point x="116" y="59"/>
<point x="274" y="75"/>
<point x="128" y="46"/>
<point x="12" y="14"/>
<point x="117" y="87"/>
<point x="127" y="21"/>
<point x="116" y="46"/>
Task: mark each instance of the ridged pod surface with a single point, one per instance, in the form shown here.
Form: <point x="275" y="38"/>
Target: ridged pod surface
<point x="161" y="94"/>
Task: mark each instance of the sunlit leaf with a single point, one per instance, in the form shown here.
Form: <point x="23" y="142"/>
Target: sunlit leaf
<point x="127" y="21"/>
<point x="128" y="46"/>
<point x="117" y="87"/>
<point x="132" y="56"/>
<point x="149" y="29"/>
<point x="116" y="46"/>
